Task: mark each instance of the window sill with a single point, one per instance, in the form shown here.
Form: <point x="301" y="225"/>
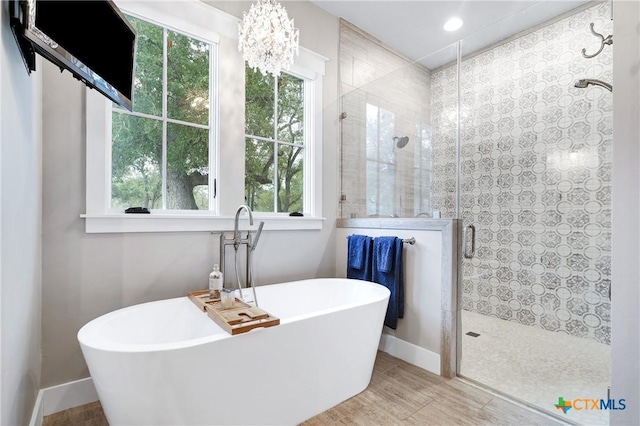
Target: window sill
<point x="125" y="223"/>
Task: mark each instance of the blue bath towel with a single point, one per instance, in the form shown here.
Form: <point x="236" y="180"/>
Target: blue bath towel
<point x="384" y="253"/>
<point x="359" y="257"/>
<point x="388" y="250"/>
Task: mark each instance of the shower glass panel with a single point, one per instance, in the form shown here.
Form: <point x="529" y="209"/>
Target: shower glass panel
<point x="535" y="185"/>
<point x="520" y="152"/>
<point x="387" y="131"/>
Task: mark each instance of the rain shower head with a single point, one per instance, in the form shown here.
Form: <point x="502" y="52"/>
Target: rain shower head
<point x="401" y="142"/>
<point x="585" y="82"/>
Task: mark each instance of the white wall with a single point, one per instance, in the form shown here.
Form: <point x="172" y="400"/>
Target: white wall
<point x="20" y="212"/>
<point x="86" y="275"/>
<point x="421" y="325"/>
<point x="625" y="293"/>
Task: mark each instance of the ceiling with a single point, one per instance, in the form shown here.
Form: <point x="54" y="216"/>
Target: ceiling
<point x="414" y="28"/>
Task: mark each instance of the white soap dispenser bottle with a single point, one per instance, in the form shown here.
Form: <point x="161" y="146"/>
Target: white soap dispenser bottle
<point x="215" y="282"/>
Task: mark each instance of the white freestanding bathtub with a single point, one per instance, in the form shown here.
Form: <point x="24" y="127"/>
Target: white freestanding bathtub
<point x="167" y="363"/>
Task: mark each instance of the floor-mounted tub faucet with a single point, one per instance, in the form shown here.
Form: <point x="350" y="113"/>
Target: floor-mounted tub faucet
<point x="236" y="242"/>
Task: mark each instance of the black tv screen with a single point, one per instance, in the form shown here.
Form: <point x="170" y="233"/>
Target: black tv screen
<point x="92" y="39"/>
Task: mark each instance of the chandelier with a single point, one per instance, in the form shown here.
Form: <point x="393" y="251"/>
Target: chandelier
<point x="267" y="38"/>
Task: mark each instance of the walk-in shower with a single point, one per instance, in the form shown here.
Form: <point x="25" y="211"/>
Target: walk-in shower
<point x="535" y="182"/>
<point x="503" y="140"/>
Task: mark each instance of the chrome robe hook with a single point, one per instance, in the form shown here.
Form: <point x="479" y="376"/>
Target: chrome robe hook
<point x="603" y="40"/>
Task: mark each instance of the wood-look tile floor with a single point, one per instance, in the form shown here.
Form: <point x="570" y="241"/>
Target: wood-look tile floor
<point x="86" y="415"/>
<point x="399" y="394"/>
<point x="403" y="394"/>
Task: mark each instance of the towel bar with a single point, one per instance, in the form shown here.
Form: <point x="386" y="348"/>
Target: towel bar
<point x="411" y="240"/>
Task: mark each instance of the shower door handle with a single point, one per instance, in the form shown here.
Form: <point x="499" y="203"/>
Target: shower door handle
<point x="469" y="241"/>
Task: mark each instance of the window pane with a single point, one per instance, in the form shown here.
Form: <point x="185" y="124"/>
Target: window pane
<point x="386" y="196"/>
<point x="135" y="164"/>
<point x="290" y="109"/>
<point x="290" y="178"/>
<point x="422" y="172"/>
<point x="187" y="79"/>
<point x="380" y="189"/>
<point x="372" y="132"/>
<point x="372" y="188"/>
<point x="187" y="166"/>
<point x="386" y="135"/>
<point x="259" y="106"/>
<point x="147" y="91"/>
<point x="259" y="175"/>
<point x="380" y="134"/>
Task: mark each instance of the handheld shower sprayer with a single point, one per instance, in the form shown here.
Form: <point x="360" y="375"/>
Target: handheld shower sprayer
<point x="585" y="82"/>
<point x="255" y="241"/>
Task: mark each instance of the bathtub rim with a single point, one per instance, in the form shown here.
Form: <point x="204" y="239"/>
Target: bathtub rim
<point x="87" y="339"/>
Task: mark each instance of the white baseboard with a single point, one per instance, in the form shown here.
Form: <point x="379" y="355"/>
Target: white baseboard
<point x="410" y="353"/>
<point x="37" y="415"/>
<point x="65" y="396"/>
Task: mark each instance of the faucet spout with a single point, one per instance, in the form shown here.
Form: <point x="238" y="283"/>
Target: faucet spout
<point x="236" y="230"/>
<point x="237" y="241"/>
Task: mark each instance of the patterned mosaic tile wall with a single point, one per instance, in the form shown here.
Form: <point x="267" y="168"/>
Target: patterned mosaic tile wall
<point x="535" y="176"/>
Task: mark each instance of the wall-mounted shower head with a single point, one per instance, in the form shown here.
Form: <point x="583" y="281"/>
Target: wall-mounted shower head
<point x="401" y="142"/>
<point x="585" y="82"/>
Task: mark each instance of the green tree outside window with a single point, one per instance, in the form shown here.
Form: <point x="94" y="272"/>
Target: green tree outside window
<point x="274" y="145"/>
<point x="160" y="151"/>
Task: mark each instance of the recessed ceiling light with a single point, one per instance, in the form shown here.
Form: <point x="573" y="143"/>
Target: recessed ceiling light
<point x="453" y="24"/>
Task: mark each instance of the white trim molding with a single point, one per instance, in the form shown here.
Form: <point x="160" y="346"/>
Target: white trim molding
<point x="122" y="223"/>
<point x="410" y="353"/>
<point x="68" y="395"/>
<point x="62" y="397"/>
<point x="37" y="415"/>
<point x="192" y="17"/>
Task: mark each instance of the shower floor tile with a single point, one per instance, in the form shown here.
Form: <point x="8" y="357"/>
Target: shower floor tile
<point x="536" y="366"/>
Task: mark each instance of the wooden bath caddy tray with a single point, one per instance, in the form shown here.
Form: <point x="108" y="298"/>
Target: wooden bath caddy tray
<point x="241" y="318"/>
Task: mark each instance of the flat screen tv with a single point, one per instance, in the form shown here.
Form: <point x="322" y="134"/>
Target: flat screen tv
<point x="92" y="39"/>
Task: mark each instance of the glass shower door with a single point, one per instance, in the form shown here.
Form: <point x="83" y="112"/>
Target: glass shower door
<point x="534" y="201"/>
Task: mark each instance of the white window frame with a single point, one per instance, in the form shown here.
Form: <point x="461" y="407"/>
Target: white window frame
<point x="308" y="142"/>
<point x="179" y="16"/>
<point x="212" y="127"/>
